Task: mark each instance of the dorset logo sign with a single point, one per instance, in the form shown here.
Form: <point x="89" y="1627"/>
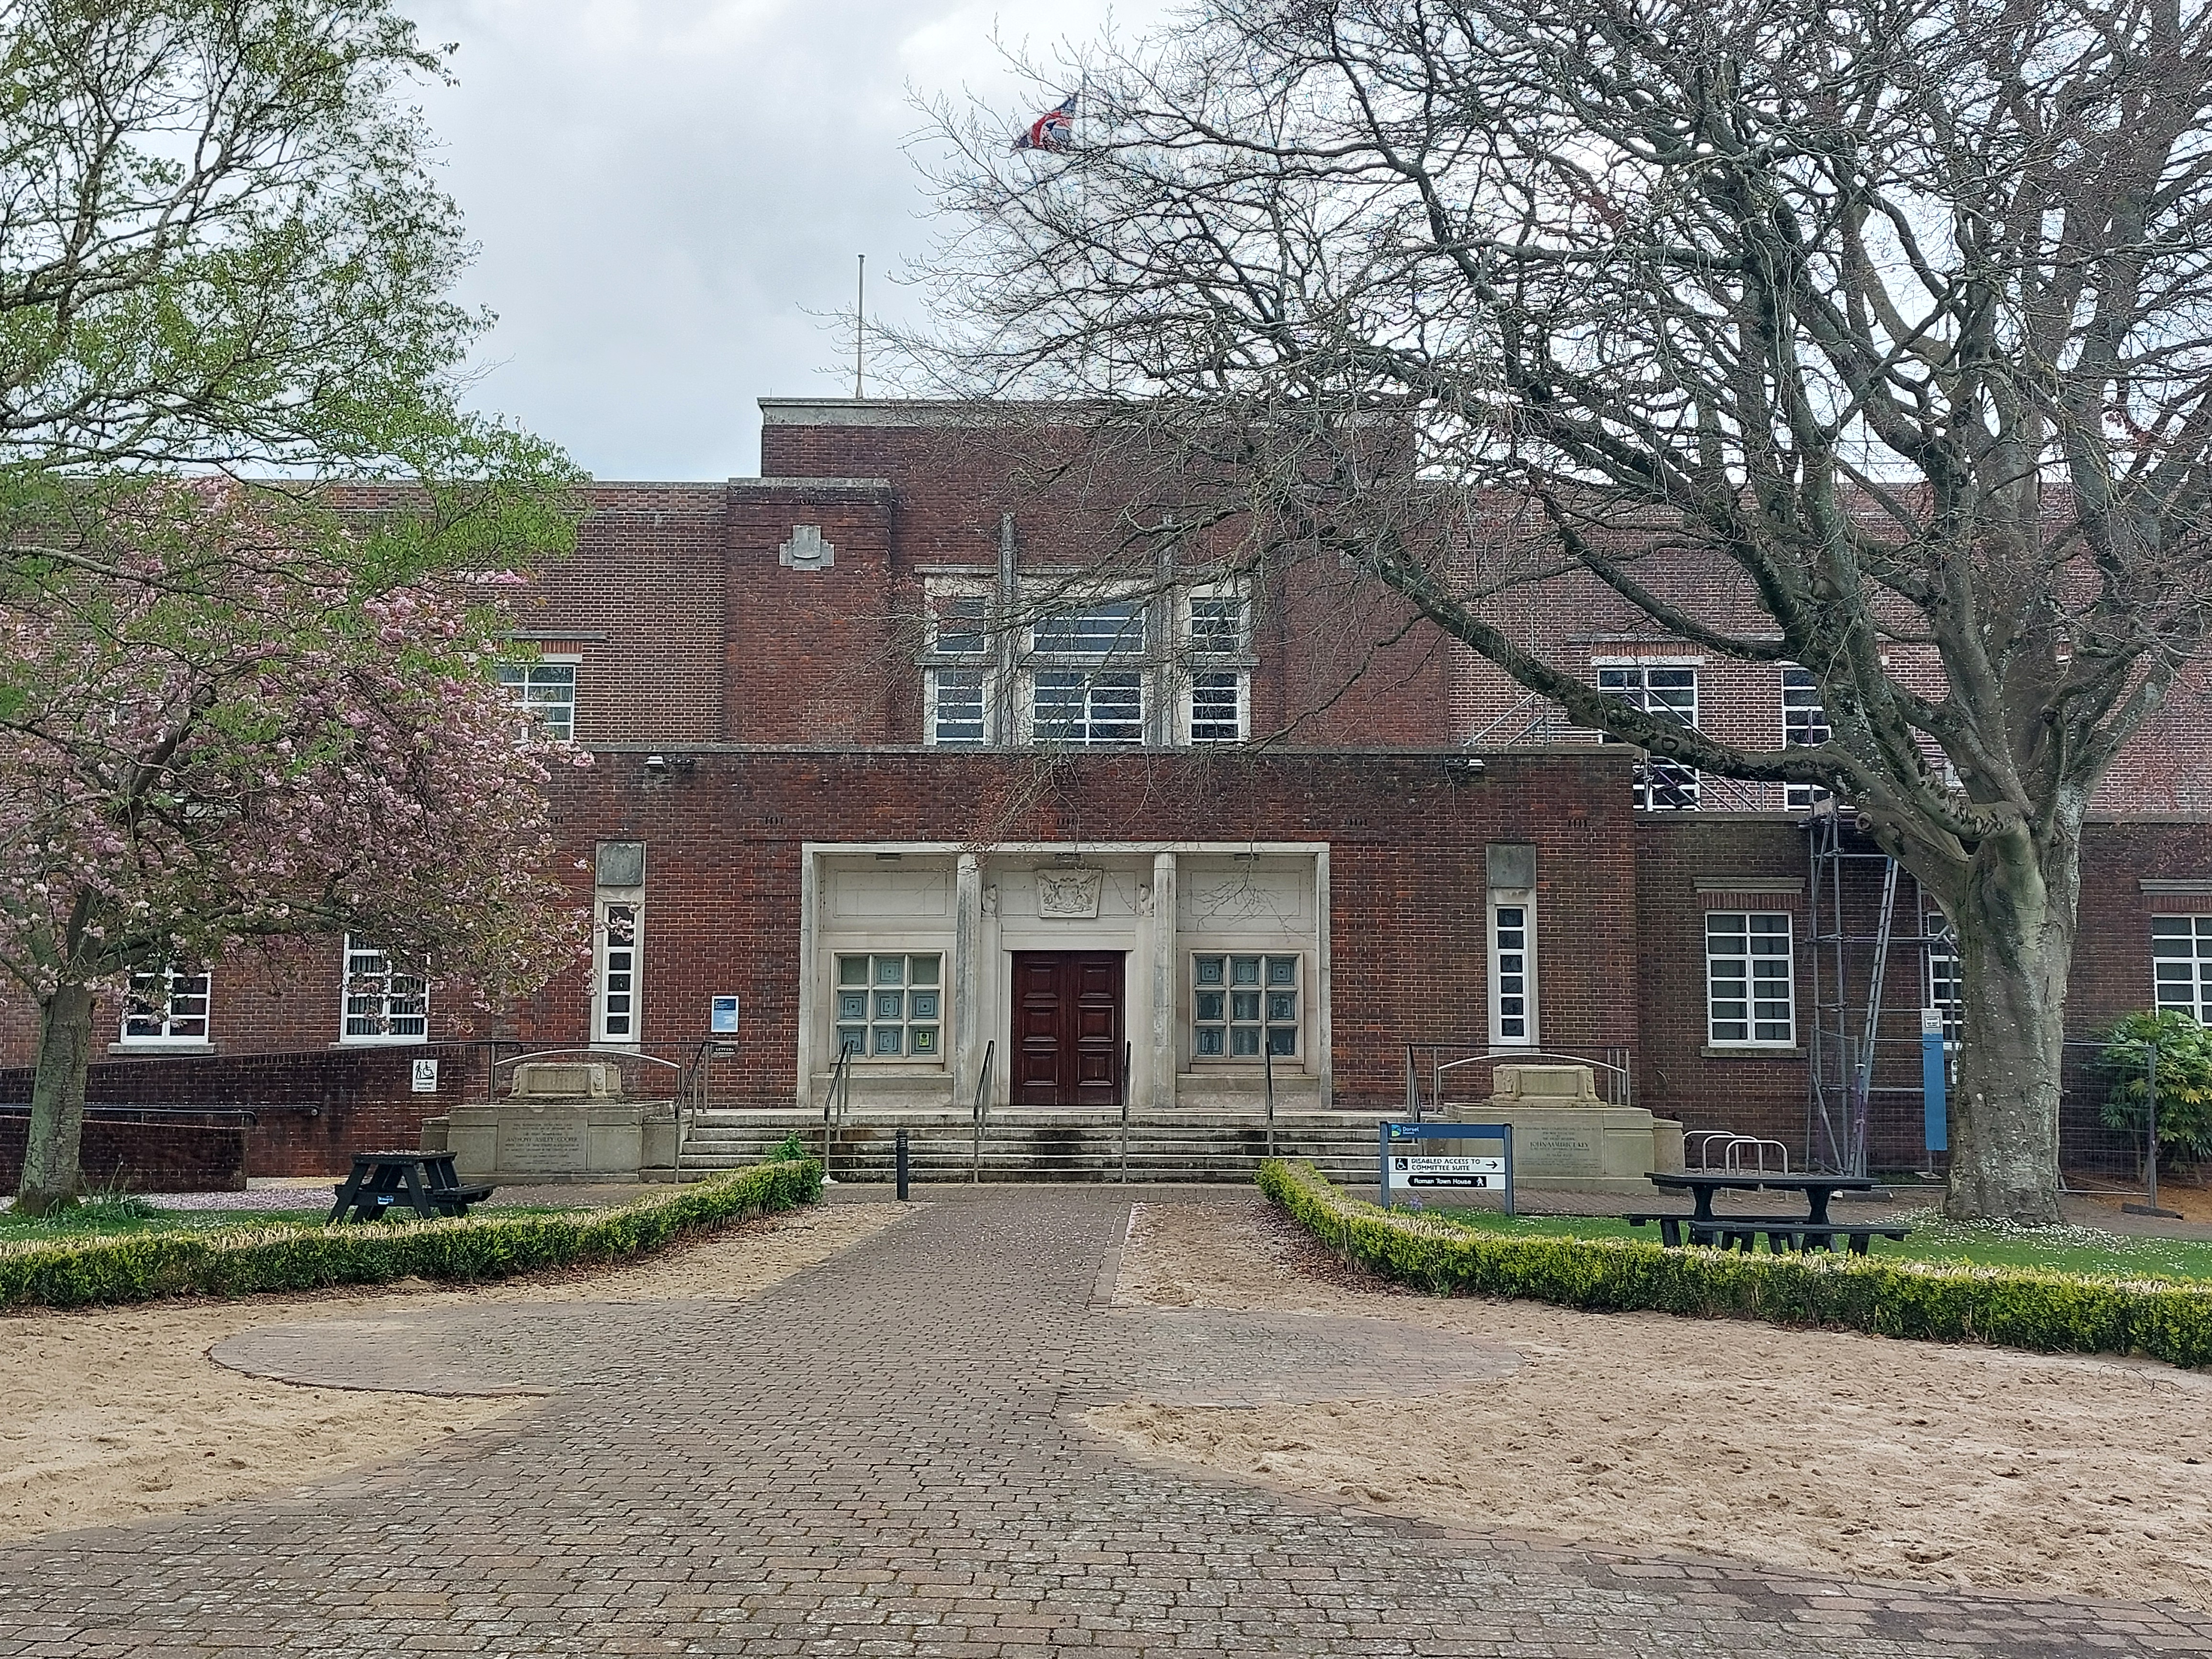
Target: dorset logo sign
<point x="1409" y="1175"/>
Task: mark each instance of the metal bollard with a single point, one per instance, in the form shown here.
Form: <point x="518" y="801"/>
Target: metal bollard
<point x="901" y="1166"/>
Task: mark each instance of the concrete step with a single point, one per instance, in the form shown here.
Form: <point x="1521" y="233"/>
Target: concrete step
<point x="1037" y="1145"/>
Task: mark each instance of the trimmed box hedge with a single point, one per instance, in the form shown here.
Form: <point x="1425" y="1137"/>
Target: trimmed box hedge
<point x="2012" y="1307"/>
<point x="138" y="1267"/>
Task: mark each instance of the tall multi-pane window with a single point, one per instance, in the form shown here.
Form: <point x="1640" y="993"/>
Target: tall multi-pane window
<point x="1239" y="1003"/>
<point x="1804" y="723"/>
<point x="171" y="1005"/>
<point x="891" y="1007"/>
<point x="622" y="943"/>
<point x="1087" y="709"/>
<point x="1512" y="972"/>
<point x="958" y="711"/>
<point x="547" y="689"/>
<point x="1219" y="706"/>
<point x="1114" y="628"/>
<point x="2181" y="964"/>
<point x="381" y="1001"/>
<point x="1750" y="997"/>
<point x="1671" y="694"/>
<point x="1946" y="985"/>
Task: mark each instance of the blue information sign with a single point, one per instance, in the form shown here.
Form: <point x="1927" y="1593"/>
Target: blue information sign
<point x="1405" y="1173"/>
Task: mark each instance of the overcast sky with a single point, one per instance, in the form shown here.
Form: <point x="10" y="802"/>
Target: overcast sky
<point x="664" y="190"/>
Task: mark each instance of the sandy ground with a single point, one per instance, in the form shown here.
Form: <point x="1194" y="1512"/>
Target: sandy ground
<point x="106" y="1415"/>
<point x="1808" y="1449"/>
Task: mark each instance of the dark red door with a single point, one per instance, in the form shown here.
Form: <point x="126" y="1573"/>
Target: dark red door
<point x="1068" y="1028"/>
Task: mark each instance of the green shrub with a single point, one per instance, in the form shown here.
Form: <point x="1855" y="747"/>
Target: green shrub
<point x="2018" y="1308"/>
<point x="790" y="1147"/>
<point x="137" y="1266"/>
<point x="2185" y="1079"/>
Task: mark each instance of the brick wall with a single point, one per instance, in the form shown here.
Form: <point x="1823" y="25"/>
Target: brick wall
<point x="121" y="1156"/>
<point x="1408" y="834"/>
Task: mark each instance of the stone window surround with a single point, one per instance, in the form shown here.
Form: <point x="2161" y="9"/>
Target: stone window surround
<point x="1155" y="1008"/>
<point x="1011" y="656"/>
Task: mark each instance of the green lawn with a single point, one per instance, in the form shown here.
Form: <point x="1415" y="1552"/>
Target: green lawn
<point x="2069" y="1249"/>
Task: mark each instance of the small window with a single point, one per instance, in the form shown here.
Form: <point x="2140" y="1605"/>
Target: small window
<point x="1750" y="997"/>
<point x="1804" y="724"/>
<point x="1217" y="625"/>
<point x="1111" y="630"/>
<point x="1239" y="1003"/>
<point x="1082" y="709"/>
<point x="547" y="689"/>
<point x="621" y="943"/>
<point x="891" y="1007"/>
<point x="961" y="625"/>
<point x="1513" y="973"/>
<point x="382" y="1002"/>
<point x="957" y="700"/>
<point x="1946" y="988"/>
<point x="1661" y="785"/>
<point x="171" y="1005"/>
<point x="1218" y="707"/>
<point x="2181" y="965"/>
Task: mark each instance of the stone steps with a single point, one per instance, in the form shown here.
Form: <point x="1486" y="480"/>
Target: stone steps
<point x="1044" y="1145"/>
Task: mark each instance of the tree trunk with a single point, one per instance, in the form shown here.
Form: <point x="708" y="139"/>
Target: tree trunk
<point x="51" y="1174"/>
<point x="2014" y="923"/>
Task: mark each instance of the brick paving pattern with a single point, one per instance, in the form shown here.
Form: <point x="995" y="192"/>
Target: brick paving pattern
<point x="879" y="1457"/>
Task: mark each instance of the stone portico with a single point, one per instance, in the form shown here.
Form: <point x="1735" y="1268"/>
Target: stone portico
<point x="1200" y="962"/>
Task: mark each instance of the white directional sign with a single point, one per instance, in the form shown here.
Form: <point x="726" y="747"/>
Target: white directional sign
<point x="1411" y="1171"/>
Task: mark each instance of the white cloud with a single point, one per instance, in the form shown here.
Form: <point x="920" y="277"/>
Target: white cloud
<point x="663" y="190"/>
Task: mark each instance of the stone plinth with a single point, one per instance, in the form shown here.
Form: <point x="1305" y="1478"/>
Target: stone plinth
<point x="526" y="1141"/>
<point x="1565" y="1136"/>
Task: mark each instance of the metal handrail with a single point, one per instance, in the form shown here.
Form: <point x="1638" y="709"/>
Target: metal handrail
<point x="1497" y="1057"/>
<point x="835" y="1099"/>
<point x="1267" y="1058"/>
<point x="982" y="1111"/>
<point x="1127" y="1054"/>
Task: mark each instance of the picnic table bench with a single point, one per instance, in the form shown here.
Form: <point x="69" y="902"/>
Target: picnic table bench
<point x="1812" y="1230"/>
<point x="422" y="1181"/>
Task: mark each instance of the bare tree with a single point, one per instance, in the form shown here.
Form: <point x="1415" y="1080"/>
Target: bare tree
<point x="1897" y="313"/>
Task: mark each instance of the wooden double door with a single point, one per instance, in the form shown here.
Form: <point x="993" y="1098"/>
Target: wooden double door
<point x="1068" y="1036"/>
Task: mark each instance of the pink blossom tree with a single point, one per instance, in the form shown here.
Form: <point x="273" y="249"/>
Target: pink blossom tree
<point x="225" y="720"/>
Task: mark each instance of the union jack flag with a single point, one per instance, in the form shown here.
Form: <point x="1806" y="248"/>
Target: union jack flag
<point x="1053" y="129"/>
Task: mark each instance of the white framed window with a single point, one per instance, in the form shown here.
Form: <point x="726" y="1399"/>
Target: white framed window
<point x="548" y="690"/>
<point x="1214" y="622"/>
<point x="170" y="1005"/>
<point x="1087" y="709"/>
<point x="2181" y="965"/>
<point x="1099" y="627"/>
<point x="1946" y="985"/>
<point x="892" y="1007"/>
<point x="1804" y="723"/>
<point x="1216" y="707"/>
<point x="959" y="624"/>
<point x="959" y="708"/>
<point x="378" y="1002"/>
<point x="1669" y="692"/>
<point x="1512" y="970"/>
<point x="618" y="984"/>
<point x="1750" y="985"/>
<point x="1240" y="1001"/>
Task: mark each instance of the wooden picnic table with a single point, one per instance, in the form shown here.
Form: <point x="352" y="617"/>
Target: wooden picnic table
<point x="422" y="1182"/>
<point x="1813" y="1231"/>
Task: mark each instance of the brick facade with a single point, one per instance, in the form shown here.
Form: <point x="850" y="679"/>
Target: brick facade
<point x="738" y="706"/>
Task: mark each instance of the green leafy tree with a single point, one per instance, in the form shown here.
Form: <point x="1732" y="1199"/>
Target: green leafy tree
<point x="223" y="251"/>
<point x="2184" y="1079"/>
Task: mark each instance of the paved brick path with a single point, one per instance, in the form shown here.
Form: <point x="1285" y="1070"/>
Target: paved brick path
<point x="876" y="1458"/>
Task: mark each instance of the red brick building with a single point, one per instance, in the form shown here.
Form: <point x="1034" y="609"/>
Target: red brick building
<point x="829" y="786"/>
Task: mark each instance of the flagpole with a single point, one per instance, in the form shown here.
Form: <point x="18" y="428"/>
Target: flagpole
<point x="861" y="330"/>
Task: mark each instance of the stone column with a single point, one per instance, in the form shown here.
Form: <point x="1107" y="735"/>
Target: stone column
<point x="1165" y="998"/>
<point x="967" y="984"/>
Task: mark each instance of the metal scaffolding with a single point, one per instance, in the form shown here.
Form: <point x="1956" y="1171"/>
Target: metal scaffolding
<point x="1852" y="956"/>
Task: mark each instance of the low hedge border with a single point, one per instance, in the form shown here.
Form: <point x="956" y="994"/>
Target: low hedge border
<point x="139" y="1267"/>
<point x="2010" y="1307"/>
